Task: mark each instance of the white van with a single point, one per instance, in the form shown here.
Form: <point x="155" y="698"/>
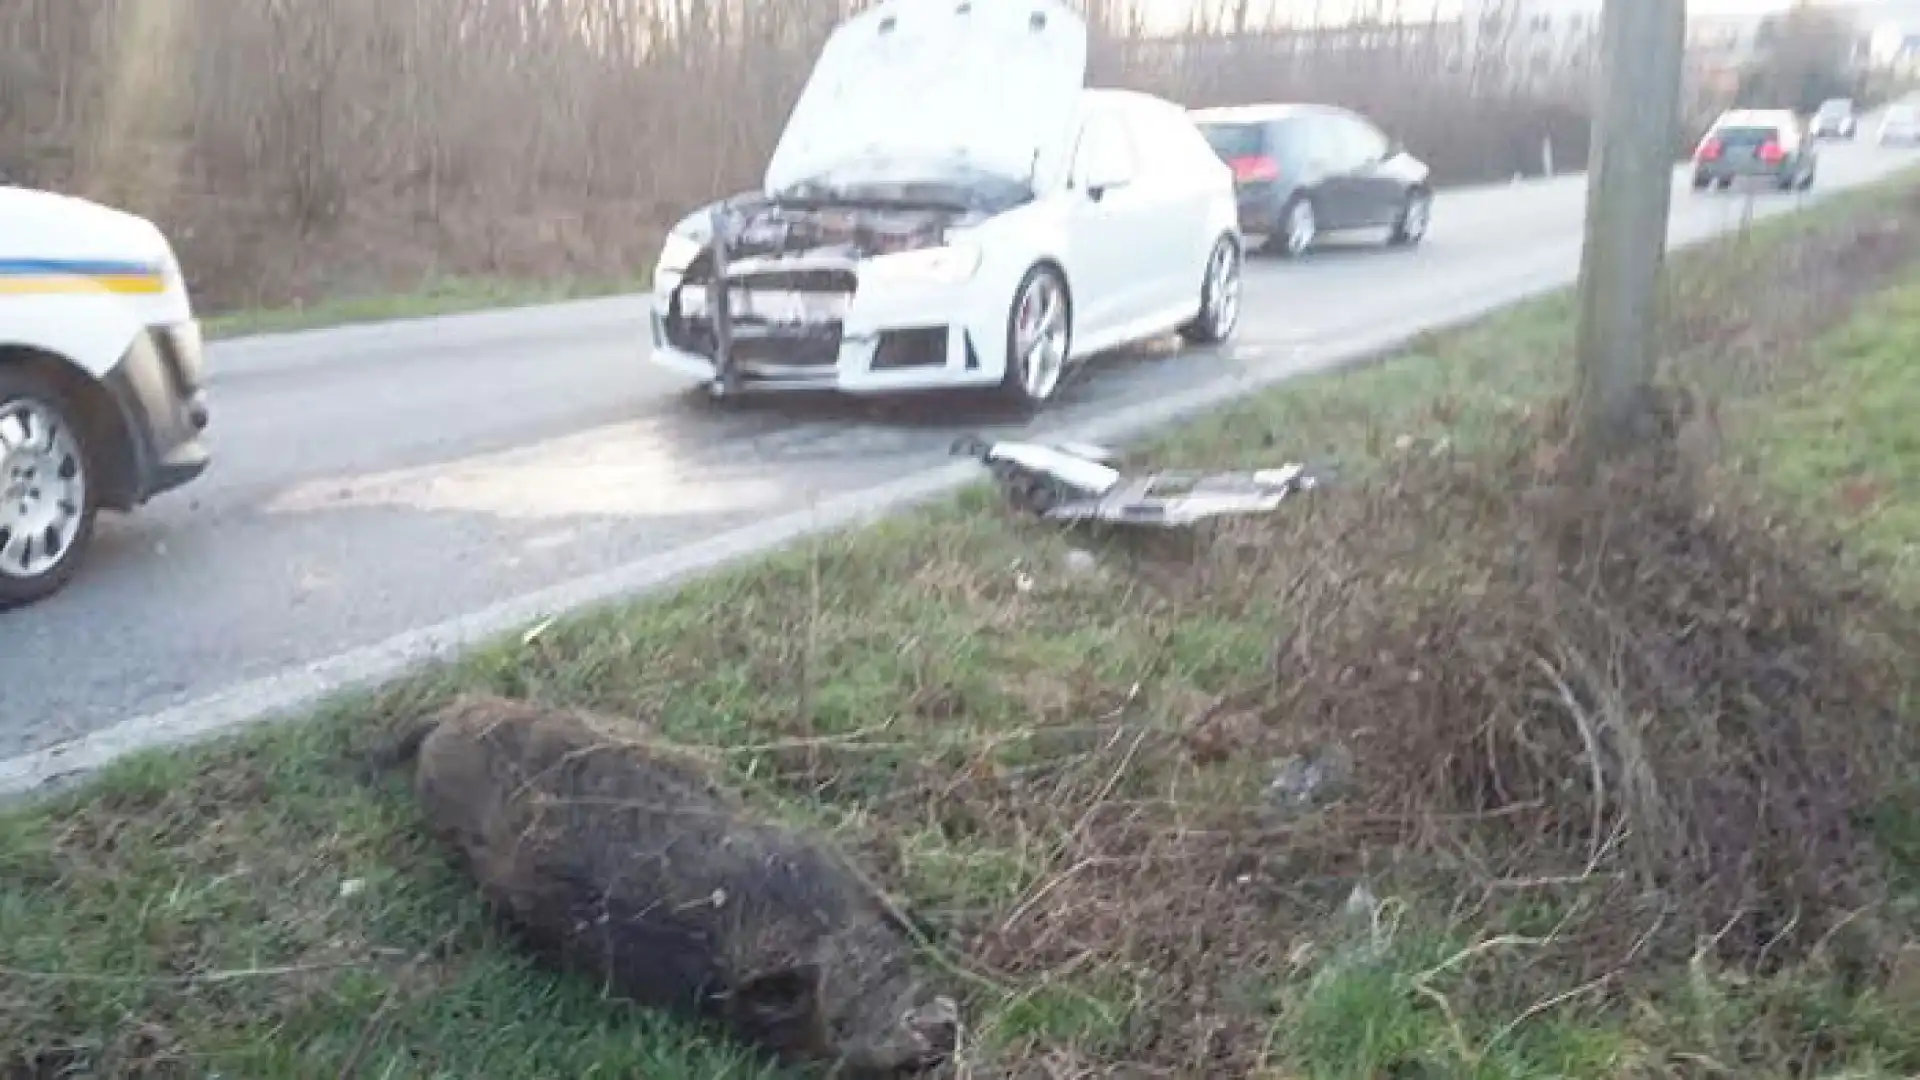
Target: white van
<point x="100" y="380"/>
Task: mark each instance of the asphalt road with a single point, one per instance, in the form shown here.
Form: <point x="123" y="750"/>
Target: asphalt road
<point x="373" y="480"/>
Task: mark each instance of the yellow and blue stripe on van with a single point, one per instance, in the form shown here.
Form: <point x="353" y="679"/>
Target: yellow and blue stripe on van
<point x="56" y="277"/>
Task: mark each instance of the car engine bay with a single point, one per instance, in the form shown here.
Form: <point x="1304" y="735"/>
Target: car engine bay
<point x="763" y="233"/>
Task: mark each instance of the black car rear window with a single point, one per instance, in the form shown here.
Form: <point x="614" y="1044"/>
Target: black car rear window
<point x="1745" y="136"/>
<point x="1235" y="140"/>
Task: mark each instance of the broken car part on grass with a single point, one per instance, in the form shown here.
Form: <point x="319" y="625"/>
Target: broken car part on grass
<point x="1071" y="482"/>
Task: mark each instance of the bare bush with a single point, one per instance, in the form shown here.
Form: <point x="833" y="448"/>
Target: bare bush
<point x="303" y="147"/>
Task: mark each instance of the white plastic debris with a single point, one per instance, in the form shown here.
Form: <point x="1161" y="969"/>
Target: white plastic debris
<point x="1070" y="482"/>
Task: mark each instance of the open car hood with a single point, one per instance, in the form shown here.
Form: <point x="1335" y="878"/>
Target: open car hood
<point x="915" y="85"/>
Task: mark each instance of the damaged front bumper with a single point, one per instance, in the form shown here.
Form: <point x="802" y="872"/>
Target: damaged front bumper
<point x="825" y="320"/>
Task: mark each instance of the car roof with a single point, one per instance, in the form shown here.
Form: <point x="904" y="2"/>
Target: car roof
<point x="1756" y="117"/>
<point x="1264" y="113"/>
<point x="1116" y="94"/>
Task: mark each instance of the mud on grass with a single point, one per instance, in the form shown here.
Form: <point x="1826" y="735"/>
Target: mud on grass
<point x="1640" y="830"/>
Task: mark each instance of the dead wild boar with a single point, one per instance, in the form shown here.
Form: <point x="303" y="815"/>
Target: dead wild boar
<point x="625" y="861"/>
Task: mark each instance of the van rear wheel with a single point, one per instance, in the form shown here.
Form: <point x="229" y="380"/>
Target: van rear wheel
<point x="48" y="500"/>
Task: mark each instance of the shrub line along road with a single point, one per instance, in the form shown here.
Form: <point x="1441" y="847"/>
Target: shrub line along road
<point x="386" y="493"/>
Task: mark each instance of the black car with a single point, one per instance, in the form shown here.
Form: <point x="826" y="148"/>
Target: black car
<point x="1302" y="171"/>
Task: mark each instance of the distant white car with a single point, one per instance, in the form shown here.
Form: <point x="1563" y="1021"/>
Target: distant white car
<point x="950" y="207"/>
<point x="1835" y="119"/>
<point x="1900" y="125"/>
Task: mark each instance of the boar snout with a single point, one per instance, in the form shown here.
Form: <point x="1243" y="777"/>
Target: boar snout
<point x="922" y="1039"/>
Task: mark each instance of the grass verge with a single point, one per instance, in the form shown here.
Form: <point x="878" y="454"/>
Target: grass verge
<point x="1657" y="828"/>
<point x="440" y="296"/>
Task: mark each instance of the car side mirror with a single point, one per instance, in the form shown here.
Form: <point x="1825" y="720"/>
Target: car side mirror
<point x="1098" y="183"/>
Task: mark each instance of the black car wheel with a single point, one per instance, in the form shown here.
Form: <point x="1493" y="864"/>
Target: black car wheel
<point x="1416" y="214"/>
<point x="1299" y="228"/>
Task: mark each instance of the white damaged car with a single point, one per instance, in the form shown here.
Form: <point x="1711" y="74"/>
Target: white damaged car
<point x="949" y="206"/>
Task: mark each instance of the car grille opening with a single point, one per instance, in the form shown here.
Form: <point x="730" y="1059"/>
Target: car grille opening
<point x="924" y="346"/>
<point x="759" y="341"/>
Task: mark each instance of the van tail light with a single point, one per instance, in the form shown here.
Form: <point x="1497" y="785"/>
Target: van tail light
<point x="1710" y="150"/>
<point x="1247" y="170"/>
<point x="1771" y="153"/>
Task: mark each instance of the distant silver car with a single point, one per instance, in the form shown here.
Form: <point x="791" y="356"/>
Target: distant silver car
<point x="1835" y="120"/>
<point x="1900" y="126"/>
<point x="1762" y="144"/>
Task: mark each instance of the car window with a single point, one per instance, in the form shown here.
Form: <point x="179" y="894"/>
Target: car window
<point x="1363" y="143"/>
<point x="1291" y="141"/>
<point x="1104" y="151"/>
<point x="1745" y="135"/>
<point x="1166" y="141"/>
<point x="1320" y="137"/>
<point x="1235" y="140"/>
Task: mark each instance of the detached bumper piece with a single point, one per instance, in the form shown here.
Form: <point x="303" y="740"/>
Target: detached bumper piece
<point x="1063" y="482"/>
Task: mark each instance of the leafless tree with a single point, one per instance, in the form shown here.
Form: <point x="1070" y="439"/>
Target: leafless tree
<point x="300" y="147"/>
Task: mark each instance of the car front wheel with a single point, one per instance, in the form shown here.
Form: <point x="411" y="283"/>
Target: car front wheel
<point x="1039" y="333"/>
<point x="47" y="498"/>
<point x="1219" y="296"/>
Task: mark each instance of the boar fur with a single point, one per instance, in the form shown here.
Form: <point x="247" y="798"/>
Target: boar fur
<point x="619" y="858"/>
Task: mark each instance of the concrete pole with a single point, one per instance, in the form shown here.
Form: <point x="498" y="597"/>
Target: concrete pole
<point x="1635" y="128"/>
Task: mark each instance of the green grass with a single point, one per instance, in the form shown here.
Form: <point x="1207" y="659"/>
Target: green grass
<point x="942" y="689"/>
<point x="1847" y="443"/>
<point x="440" y="296"/>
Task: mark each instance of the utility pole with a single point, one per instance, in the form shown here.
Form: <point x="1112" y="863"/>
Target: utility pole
<point x="1630" y="183"/>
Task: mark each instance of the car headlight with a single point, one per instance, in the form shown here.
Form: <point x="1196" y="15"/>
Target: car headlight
<point x="677" y="254"/>
<point x="947" y="265"/>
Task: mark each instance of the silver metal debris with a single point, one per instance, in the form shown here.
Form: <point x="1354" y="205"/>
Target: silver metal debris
<point x="1071" y="482"/>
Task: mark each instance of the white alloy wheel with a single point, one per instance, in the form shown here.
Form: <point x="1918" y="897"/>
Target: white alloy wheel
<point x="1039" y="331"/>
<point x="1220" y="292"/>
<point x="47" y="503"/>
<point x="1300" y="229"/>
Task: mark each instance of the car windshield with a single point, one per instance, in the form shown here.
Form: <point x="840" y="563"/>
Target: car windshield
<point x="1234" y="140"/>
<point x="1745" y="135"/>
<point x="901" y="182"/>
